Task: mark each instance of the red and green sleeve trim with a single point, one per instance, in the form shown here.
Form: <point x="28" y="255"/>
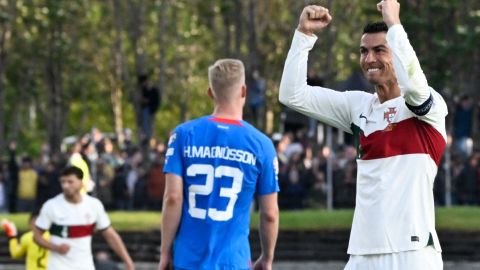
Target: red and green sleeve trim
<point x="72" y="231"/>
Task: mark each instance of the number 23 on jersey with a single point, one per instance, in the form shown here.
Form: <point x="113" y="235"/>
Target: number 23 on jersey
<point x="206" y="189"/>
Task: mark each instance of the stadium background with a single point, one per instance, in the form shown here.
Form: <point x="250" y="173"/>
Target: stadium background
<point x="69" y="77"/>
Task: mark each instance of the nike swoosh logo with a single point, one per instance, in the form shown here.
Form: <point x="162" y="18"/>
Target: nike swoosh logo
<point x="366" y="119"/>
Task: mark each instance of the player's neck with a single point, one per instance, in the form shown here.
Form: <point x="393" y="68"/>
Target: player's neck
<point x="387" y="91"/>
<point x="76" y="198"/>
<point x="228" y="112"/>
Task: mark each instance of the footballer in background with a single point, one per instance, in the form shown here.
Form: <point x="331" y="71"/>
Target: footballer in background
<point x="36" y="257"/>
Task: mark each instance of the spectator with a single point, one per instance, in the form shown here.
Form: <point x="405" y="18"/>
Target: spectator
<point x="120" y="192"/>
<point x="48" y="184"/>
<point x="27" y="186"/>
<point x="105" y="176"/>
<point x="3" y="193"/>
<point x="294" y="191"/>
<point x="108" y="155"/>
<point x="466" y="182"/>
<point x="132" y="177"/>
<point x="80" y="160"/>
<point x="462" y="127"/>
<point x="256" y="97"/>
<point x="12" y="178"/>
<point x="150" y="102"/>
<point x="156" y="184"/>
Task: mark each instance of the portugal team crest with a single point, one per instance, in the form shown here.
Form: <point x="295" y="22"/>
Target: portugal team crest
<point x="388" y="116"/>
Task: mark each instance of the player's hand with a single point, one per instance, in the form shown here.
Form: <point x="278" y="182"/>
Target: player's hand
<point x="262" y="264"/>
<point x="9" y="228"/>
<point x="166" y="262"/>
<point x="313" y="18"/>
<point x="390" y="10"/>
<point x="62" y="249"/>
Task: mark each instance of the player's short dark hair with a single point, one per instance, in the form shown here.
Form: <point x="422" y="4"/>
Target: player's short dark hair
<point x="375" y="27"/>
<point x="72" y="170"/>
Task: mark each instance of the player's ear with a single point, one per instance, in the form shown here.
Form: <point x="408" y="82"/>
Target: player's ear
<point x="210" y="93"/>
<point x="244" y="90"/>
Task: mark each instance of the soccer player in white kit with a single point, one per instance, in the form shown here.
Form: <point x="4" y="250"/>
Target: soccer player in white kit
<point x="400" y="136"/>
<point x="71" y="218"/>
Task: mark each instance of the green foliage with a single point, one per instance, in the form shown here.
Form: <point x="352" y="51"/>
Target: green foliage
<point x="76" y="39"/>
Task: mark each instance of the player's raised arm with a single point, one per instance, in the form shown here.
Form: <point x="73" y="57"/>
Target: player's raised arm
<point x="326" y="105"/>
<point x="411" y="79"/>
<point x="293" y="86"/>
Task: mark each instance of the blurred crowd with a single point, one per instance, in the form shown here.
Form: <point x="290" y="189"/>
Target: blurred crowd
<point x="123" y="177"/>
<point x="127" y="177"/>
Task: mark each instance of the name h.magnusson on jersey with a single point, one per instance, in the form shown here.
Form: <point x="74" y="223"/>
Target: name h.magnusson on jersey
<point x="220" y="152"/>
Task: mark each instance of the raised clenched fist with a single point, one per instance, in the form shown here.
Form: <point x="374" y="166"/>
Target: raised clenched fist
<point x="313" y="18"/>
<point x="390" y="10"/>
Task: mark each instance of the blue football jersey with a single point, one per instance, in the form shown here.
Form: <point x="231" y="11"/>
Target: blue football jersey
<point x="223" y="163"/>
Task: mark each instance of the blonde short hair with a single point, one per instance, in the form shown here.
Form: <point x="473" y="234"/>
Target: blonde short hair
<point x="224" y="77"/>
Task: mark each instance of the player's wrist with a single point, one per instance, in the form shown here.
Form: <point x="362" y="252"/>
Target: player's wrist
<point x="304" y="30"/>
<point x="392" y="22"/>
<point x="267" y="258"/>
<point x="165" y="253"/>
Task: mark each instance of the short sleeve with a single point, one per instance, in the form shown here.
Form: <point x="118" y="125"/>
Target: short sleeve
<point x="103" y="221"/>
<point x="173" y="156"/>
<point x="44" y="219"/>
<point x="268" y="179"/>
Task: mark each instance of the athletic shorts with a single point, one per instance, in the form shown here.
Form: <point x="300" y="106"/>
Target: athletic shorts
<point x="424" y="259"/>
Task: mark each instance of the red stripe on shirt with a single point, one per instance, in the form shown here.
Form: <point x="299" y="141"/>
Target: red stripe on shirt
<point x="226" y="121"/>
<point x="80" y="230"/>
<point x="410" y="136"/>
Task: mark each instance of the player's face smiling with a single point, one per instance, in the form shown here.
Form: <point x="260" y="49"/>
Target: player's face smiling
<point x="376" y="58"/>
<point x="71" y="185"/>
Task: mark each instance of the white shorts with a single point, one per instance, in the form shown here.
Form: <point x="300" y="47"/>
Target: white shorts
<point x="424" y="259"/>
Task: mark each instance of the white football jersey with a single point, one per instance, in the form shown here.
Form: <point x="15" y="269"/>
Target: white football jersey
<point x="399" y="145"/>
<point x="74" y="225"/>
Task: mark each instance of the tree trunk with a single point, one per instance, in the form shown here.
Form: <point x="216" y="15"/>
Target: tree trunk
<point x="116" y="94"/>
<point x="252" y="62"/>
<point x="226" y="15"/>
<point x="57" y="106"/>
<point x="136" y="33"/>
<point x="3" y="57"/>
<point x="5" y="34"/>
<point x="163" y="44"/>
<point x="238" y="28"/>
<point x="329" y="44"/>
